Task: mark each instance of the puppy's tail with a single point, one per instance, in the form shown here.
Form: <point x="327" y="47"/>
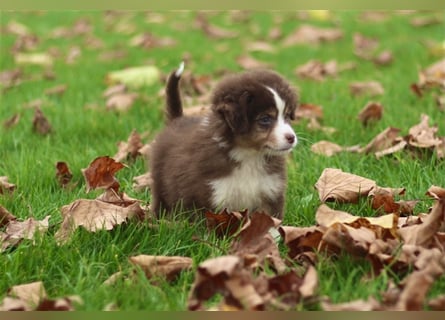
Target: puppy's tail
<point x="174" y="104"/>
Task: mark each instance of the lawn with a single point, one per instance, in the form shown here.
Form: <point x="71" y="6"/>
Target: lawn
<point x="84" y="47"/>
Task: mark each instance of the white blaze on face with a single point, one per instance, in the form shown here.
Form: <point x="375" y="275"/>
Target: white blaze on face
<point x="283" y="135"/>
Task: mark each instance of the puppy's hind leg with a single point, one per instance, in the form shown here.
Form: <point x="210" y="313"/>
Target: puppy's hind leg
<point x="173" y="96"/>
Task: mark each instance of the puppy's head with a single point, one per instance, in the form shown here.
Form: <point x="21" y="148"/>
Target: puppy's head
<point x="257" y="107"/>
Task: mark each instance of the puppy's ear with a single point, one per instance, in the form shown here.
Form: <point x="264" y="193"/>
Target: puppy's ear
<point x="234" y="112"/>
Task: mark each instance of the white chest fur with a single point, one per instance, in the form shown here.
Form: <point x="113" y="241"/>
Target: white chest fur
<point x="247" y="184"/>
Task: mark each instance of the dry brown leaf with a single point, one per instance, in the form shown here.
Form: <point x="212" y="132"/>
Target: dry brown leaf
<point x="59" y="304"/>
<point x="336" y="185"/>
<point x="317" y="70"/>
<point x="383" y="199"/>
<point x="371" y="112"/>
<point x="31" y="294"/>
<point x="57" y="90"/>
<point x="115" y="89"/>
<point x="129" y="150"/>
<point x="5" y="217"/>
<point x="307" y="34"/>
<point x="364" y="47"/>
<point x="213" y="31"/>
<point x="308" y="111"/>
<point x="384" y="140"/>
<point x="426" y="21"/>
<point x="100" y="173"/>
<point x="10" y="78"/>
<point x="260" y="46"/>
<point x="399" y="146"/>
<point x="5" y="186"/>
<point x="423" y="234"/>
<point x="168" y="267"/>
<point x="27" y="229"/>
<point x="356" y="305"/>
<point x="310" y="283"/>
<point x="12" y="121"/>
<point x="248" y="62"/>
<point x="225" y="223"/>
<point x="326" y="148"/>
<point x="142" y="182"/>
<point x="370" y="88"/>
<point x="437" y="303"/>
<point x="63" y="174"/>
<point x="121" y="101"/>
<point x="422" y="135"/>
<point x="300" y="239"/>
<point x="37" y="58"/>
<point x="95" y="215"/>
<point x="384" y="58"/>
<point x="255" y="241"/>
<point x="40" y="123"/>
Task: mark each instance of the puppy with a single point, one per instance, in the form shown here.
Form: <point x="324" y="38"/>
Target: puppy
<point x="234" y="157"/>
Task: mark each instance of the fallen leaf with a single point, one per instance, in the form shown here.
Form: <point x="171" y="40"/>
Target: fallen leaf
<point x="326" y="148"/>
<point x="57" y="90"/>
<point x="27" y="229"/>
<point x="370" y="88"/>
<point x="162" y="266"/>
<point x="42" y="59"/>
<point x="307" y="34"/>
<point x="317" y="70"/>
<point x="254" y="240"/>
<point x="384" y="140"/>
<point x="100" y="173"/>
<point x="364" y="47"/>
<point x="423" y="234"/>
<point x="11" y="78"/>
<point x="63" y="174"/>
<point x="135" y="77"/>
<point x="5" y="186"/>
<point x="142" y="182"/>
<point x="300" y="239"/>
<point x="211" y="30"/>
<point x="248" y="62"/>
<point x="225" y="223"/>
<point x="129" y="150"/>
<point x="121" y="101"/>
<point x="12" y="121"/>
<point x="371" y="112"/>
<point x="94" y="215"/>
<point x="40" y="123"/>
<point x="422" y="135"/>
<point x="31" y="293"/>
<point x="308" y="111"/>
<point x="383" y="199"/>
<point x="384" y="58"/>
<point x="426" y="21"/>
<point x="5" y="217"/>
<point x="260" y="46"/>
<point x="356" y="305"/>
<point x="336" y="185"/>
<point x="59" y="304"/>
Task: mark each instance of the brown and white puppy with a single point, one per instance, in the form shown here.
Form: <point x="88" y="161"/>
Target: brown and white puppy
<point x="234" y="157"/>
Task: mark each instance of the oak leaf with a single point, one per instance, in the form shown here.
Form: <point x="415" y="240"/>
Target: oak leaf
<point x="371" y="112"/>
<point x="100" y="173"/>
<point x="95" y="215"/>
<point x="162" y="266"/>
<point x="370" y="88"/>
<point x="6" y="186"/>
<point x="307" y="34"/>
<point x="336" y="185"/>
<point x="40" y="123"/>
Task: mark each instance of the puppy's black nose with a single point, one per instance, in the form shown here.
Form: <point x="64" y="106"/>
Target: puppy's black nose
<point x="290" y="138"/>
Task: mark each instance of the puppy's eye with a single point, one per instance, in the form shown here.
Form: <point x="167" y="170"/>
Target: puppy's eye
<point x="288" y="116"/>
<point x="265" y="120"/>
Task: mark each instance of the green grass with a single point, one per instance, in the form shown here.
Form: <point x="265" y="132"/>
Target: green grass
<point x="82" y="134"/>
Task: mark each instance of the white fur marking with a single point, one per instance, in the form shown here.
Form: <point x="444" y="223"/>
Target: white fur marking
<point x="246" y="184"/>
<point x="282" y="129"/>
<point x="180" y="70"/>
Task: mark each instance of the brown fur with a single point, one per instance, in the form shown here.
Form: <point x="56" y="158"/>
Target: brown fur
<point x="191" y="152"/>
